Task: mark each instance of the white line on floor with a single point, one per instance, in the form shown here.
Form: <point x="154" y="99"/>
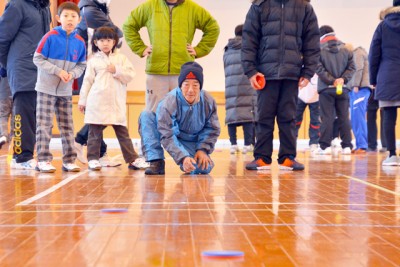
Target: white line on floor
<point x="371" y="184"/>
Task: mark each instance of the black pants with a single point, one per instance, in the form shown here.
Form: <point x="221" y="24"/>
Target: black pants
<point x="372" y="109"/>
<point x="24" y="114"/>
<point x="389" y="127"/>
<point x="278" y="100"/>
<point x="333" y="105"/>
<point x="248" y="132"/>
<point x="82" y="138"/>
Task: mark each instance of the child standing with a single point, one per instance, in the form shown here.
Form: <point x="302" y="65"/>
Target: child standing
<point x="336" y="68"/>
<point x="308" y="96"/>
<point x="60" y="58"/>
<point x="241" y="98"/>
<point x="5" y="107"/>
<point x="103" y="96"/>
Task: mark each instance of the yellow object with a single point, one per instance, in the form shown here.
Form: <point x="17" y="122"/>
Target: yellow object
<point x="10" y="151"/>
<point x="339" y="89"/>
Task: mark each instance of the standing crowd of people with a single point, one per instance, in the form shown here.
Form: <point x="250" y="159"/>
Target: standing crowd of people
<point x="279" y="62"/>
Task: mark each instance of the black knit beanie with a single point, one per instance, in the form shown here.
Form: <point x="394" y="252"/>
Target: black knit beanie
<point x="396" y="2"/>
<point x="326" y="29"/>
<point x="191" y="70"/>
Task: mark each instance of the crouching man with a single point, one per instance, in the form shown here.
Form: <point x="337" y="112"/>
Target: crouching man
<point x="185" y="124"/>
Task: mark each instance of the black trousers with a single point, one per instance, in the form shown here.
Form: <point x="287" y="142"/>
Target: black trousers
<point x="333" y="105"/>
<point x="372" y="109"/>
<point x="389" y="127"/>
<point x="278" y="100"/>
<point x="248" y="132"/>
<point x="24" y="117"/>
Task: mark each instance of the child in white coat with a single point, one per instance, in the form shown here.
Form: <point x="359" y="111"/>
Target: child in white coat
<point x="103" y="96"/>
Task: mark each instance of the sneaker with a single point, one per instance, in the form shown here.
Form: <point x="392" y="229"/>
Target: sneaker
<point x="313" y="148"/>
<point x="3" y="140"/>
<point x="326" y="151"/>
<point x="139" y="163"/>
<point x="291" y="164"/>
<point x="258" y="164"/>
<point x="157" y="167"/>
<point x="70" y="167"/>
<point x="336" y="142"/>
<point x="27" y="165"/>
<point x="105" y="161"/>
<point x="234" y="149"/>
<point x="80" y="153"/>
<point x="383" y="149"/>
<point x="45" y="166"/>
<point x="94" y="165"/>
<point x="359" y="151"/>
<point x="346" y="151"/>
<point x="247" y="149"/>
<point x="391" y="161"/>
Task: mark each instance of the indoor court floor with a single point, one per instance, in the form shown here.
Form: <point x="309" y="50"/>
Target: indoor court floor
<point x="341" y="211"/>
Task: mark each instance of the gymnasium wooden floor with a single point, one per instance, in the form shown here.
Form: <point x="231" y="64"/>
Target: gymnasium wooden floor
<point x="342" y="211"/>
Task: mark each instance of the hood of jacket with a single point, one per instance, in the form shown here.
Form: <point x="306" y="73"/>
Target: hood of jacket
<point x="94" y="3"/>
<point x="177" y="2"/>
<point x="392" y="18"/>
<point x="234" y="43"/>
<point x="331" y="43"/>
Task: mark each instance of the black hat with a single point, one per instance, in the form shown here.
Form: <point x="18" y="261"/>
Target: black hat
<point x="325" y="30"/>
<point x="396" y="2"/>
<point x="239" y="29"/>
<point x="191" y="70"/>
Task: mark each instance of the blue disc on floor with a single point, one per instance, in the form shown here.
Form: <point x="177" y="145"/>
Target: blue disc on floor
<point x="223" y="253"/>
<point x="114" y="210"/>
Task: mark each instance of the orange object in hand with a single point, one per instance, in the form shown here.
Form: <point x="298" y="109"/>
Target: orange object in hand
<point x="261" y="82"/>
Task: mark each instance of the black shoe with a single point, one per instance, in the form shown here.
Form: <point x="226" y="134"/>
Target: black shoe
<point x="157" y="167"/>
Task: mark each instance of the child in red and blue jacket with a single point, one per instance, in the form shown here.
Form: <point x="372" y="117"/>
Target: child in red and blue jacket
<point x="60" y="58"/>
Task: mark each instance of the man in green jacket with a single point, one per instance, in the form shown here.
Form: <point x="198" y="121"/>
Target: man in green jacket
<point x="171" y="25"/>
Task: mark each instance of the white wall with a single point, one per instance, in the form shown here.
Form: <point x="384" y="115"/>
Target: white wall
<point x="353" y="20"/>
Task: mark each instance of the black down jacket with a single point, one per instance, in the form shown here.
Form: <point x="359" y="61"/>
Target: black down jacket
<point x="281" y="40"/>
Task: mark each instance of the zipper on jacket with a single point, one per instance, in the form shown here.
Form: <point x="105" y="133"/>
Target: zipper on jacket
<point x="281" y="42"/>
<point x="65" y="60"/>
<point x="170" y="39"/>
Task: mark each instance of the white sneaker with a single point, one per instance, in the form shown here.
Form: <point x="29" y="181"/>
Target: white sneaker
<point x="326" y="151"/>
<point x="3" y="140"/>
<point x="139" y="163"/>
<point x="234" y="149"/>
<point x="313" y="147"/>
<point x="80" y="153"/>
<point x="70" y="167"/>
<point x="94" y="165"/>
<point x="346" y="151"/>
<point x="247" y="149"/>
<point x="45" y="166"/>
<point x="105" y="161"/>
<point x="391" y="161"/>
<point x="336" y="142"/>
<point x="27" y="165"/>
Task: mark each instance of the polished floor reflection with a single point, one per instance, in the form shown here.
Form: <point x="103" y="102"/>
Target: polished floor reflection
<point x="341" y="211"/>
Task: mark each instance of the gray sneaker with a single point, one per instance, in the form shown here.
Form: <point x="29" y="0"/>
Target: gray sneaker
<point x="391" y="161"/>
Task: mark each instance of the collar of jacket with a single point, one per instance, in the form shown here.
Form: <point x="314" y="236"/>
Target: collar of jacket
<point x="177" y="3"/>
<point x="63" y="32"/>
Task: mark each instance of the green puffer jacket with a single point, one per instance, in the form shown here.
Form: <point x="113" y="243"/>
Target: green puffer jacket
<point x="170" y="31"/>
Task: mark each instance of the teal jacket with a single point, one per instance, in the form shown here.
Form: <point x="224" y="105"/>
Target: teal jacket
<point x="169" y="32"/>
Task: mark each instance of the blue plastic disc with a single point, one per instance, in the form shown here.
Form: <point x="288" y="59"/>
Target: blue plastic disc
<point x="223" y="253"/>
<point x="114" y="210"/>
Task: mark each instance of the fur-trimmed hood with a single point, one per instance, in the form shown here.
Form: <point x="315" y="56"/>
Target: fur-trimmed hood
<point x="387" y="11"/>
<point x="392" y="19"/>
